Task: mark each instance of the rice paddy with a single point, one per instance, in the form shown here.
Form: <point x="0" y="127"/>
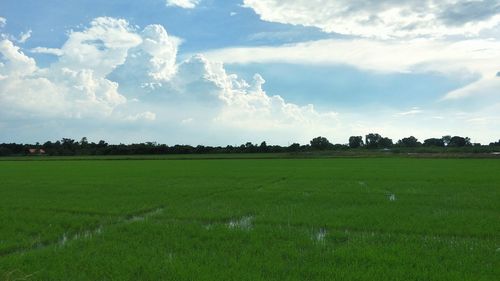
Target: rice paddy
<point x="250" y="219"/>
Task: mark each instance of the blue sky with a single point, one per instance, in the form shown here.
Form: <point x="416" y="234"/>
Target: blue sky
<point x="227" y="72"/>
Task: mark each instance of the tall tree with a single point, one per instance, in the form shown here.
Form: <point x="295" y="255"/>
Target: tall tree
<point x="409" y="142"/>
<point x="320" y="143"/>
<point x="385" y="143"/>
<point x="458" y="141"/>
<point x="356" y="141"/>
<point x="434" y="142"/>
<point x="373" y="140"/>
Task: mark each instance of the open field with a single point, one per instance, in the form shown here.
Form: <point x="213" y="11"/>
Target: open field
<point x="251" y="219"/>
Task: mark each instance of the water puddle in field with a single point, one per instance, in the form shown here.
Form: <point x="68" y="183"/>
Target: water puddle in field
<point x="89" y="233"/>
<point x="320" y="235"/>
<point x="85" y="234"/>
<point x="143" y="216"/>
<point x="244" y="223"/>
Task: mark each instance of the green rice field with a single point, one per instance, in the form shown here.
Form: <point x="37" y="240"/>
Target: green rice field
<point x="250" y="219"/>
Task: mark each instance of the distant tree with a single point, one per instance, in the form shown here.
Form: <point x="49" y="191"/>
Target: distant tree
<point x="409" y="142"/>
<point x="84" y="141"/>
<point x="339" y="146"/>
<point x="49" y="147"/>
<point x="372" y="140"/>
<point x="458" y="141"/>
<point x="263" y="147"/>
<point x="66" y="142"/>
<point x="446" y="140"/>
<point x="377" y="141"/>
<point x="320" y="143"/>
<point x="385" y="143"/>
<point x="69" y="146"/>
<point x="434" y="142"/>
<point x="495" y="143"/>
<point x="4" y="151"/>
<point x="356" y="141"/>
<point x="84" y="145"/>
<point x="294" y="147"/>
<point x="102" y="144"/>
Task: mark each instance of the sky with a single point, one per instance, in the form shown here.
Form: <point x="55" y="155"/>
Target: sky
<point x="227" y="72"/>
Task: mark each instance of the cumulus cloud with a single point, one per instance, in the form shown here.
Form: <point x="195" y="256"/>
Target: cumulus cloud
<point x="247" y="105"/>
<point x="384" y="18"/>
<point x="3" y="22"/>
<point x="14" y="61"/>
<point x="100" y="47"/>
<point x="111" y="72"/>
<point x="186" y="4"/>
<point x="76" y="85"/>
<point x="150" y="64"/>
<point x="20" y="90"/>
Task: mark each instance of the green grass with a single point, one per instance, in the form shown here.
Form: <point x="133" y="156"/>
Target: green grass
<point x="250" y="219"/>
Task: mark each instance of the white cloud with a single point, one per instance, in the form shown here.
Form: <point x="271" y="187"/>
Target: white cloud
<point x="186" y="4"/>
<point x="147" y="116"/>
<point x="483" y="88"/>
<point x="15" y="62"/>
<point x="384" y="18"/>
<point x="413" y="111"/>
<point x="187" y="121"/>
<point x="476" y="55"/>
<point x="75" y="86"/>
<point x="100" y="47"/>
<point x="21" y="38"/>
<point x="228" y="102"/>
<point x="110" y="72"/>
<point x="49" y="51"/>
<point x="150" y="63"/>
<point x="20" y="91"/>
<point x="24" y="36"/>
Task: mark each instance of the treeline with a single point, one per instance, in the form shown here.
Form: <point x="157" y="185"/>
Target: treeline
<point x="68" y="146"/>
